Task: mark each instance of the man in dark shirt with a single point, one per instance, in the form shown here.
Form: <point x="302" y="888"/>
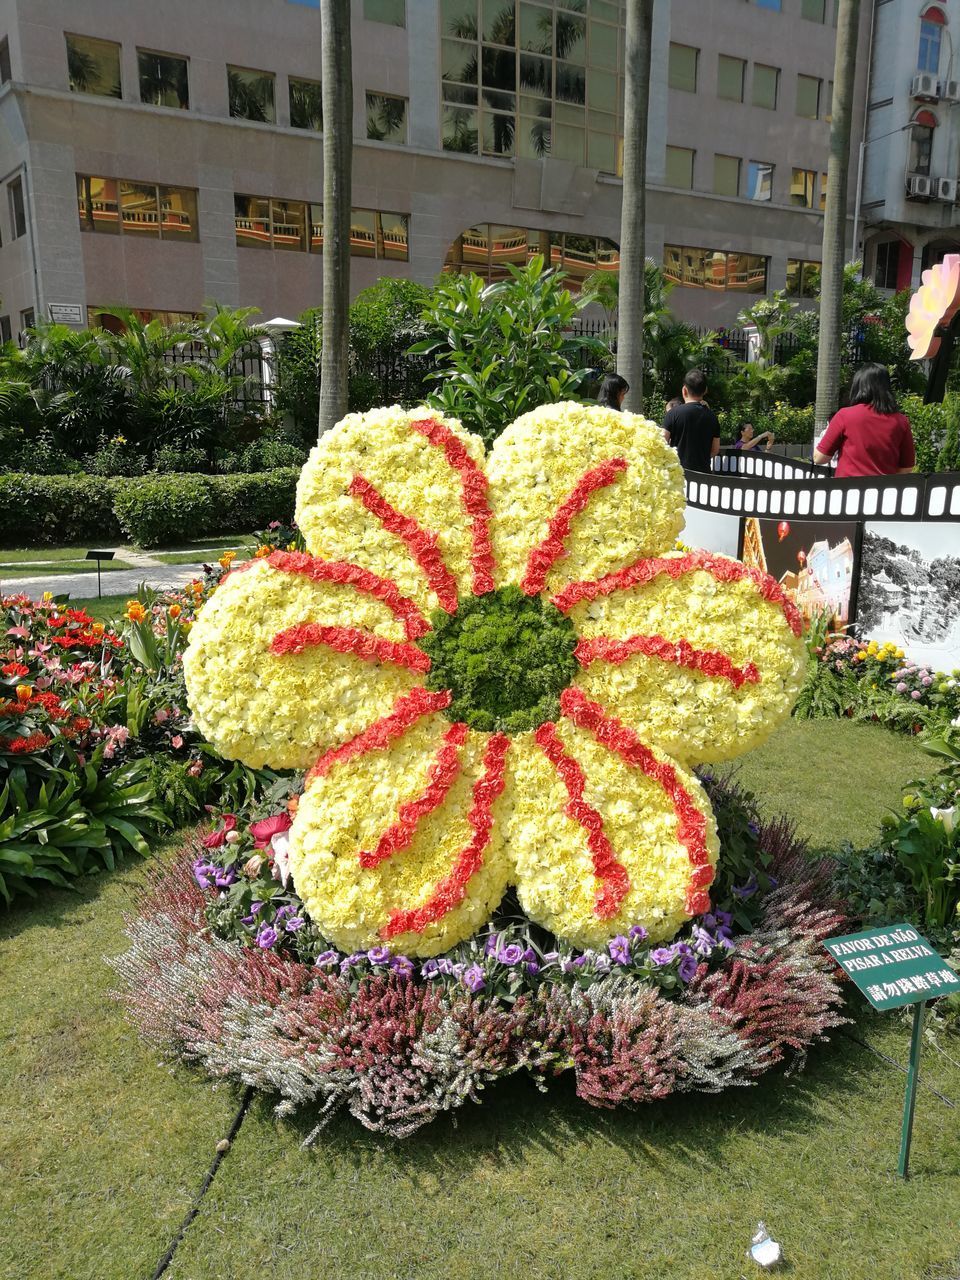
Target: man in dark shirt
<point x="692" y="427"/>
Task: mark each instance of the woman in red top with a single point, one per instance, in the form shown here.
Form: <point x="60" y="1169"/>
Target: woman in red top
<point x="871" y="436"/>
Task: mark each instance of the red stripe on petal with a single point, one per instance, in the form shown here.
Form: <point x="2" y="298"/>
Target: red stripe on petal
<point x="422" y="544"/>
<point x="691" y="823"/>
<point x="349" y="640"/>
<point x="452" y="889"/>
<point x="474" y="486"/>
<point x="612" y="874"/>
<point x="543" y="557"/>
<point x="642" y="572"/>
<point x="340" y="571"/>
<point x="680" y="652"/>
<point x="441" y="776"/>
<point x="407" y="710"/>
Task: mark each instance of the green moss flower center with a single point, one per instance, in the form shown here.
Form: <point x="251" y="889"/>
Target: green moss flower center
<point x="505" y="657"/>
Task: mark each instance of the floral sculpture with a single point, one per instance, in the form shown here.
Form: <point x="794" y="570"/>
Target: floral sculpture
<point x="933" y="305"/>
<point x="497" y="671"/>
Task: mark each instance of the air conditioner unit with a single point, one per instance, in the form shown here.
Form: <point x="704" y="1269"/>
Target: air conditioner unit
<point x="946" y="190"/>
<point x="925" y="87"/>
<point x="919" y="187"/>
<point x="950" y="90"/>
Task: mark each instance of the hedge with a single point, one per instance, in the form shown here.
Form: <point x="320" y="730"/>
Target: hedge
<point x="150" y="510"/>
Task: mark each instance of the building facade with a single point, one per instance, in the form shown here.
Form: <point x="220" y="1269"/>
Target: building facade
<point x="168" y="156"/>
<point x="910" y="216"/>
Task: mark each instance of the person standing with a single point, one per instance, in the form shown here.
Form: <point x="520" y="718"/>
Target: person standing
<point x="612" y="390"/>
<point x="750" y="441"/>
<point x="692" y="427"/>
<point x="871" y="436"/>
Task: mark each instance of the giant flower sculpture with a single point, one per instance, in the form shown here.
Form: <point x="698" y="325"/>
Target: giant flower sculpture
<point x="497" y="671"/>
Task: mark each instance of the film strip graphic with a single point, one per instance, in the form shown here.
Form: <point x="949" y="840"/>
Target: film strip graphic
<point x="808" y="494"/>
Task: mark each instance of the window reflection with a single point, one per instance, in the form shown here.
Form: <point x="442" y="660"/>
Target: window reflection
<point x="138" y="209"/>
<point x="178" y="213"/>
<point x="714" y="269"/>
<point x="759" y="180"/>
<point x="163" y="80"/>
<point x="93" y="66"/>
<point x="489" y="251"/>
<point x="802" y="185"/>
<point x="306" y="104"/>
<point x="142" y="209"/>
<point x="803" y="278"/>
<point x="99" y="210"/>
<point x="251" y="94"/>
<point x="386" y="118"/>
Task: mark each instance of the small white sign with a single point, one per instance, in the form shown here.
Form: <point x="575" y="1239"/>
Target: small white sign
<point x="66" y="313"/>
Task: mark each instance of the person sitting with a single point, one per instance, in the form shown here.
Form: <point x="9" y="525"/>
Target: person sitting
<point x="750" y="441"/>
<point x="692" y="427"/>
<point x="870" y="436"/>
<point x="612" y="391"/>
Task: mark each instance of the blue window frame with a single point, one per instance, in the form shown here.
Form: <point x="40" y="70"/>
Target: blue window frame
<point x="928" y="56"/>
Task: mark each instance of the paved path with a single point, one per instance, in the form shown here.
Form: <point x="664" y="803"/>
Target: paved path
<point x="83" y="586"/>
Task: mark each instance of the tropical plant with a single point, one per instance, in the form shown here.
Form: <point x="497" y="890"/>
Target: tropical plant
<point x="500" y="349"/>
<point x="337" y="79"/>
<point x="384" y="321"/>
<point x="771" y="317"/>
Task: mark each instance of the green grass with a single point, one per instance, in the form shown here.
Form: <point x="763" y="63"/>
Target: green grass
<point x="48" y="553"/>
<point x="204" y="552"/>
<point x="102" y="1149"/>
<point x="107" y="609"/>
<point x="10" y="572"/>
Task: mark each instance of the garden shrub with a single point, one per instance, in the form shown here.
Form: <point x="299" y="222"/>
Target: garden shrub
<point x="159" y="509"/>
<point x="38" y="511"/>
<point x="246" y="502"/>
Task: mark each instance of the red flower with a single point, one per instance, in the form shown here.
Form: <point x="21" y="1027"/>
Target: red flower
<point x="264" y="830"/>
<point x="15" y="669"/>
<point x="216" y="839"/>
<point x="35" y="742"/>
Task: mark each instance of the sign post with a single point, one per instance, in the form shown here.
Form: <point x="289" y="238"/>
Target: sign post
<point x="894" y="967"/>
<point x="98" y="556"/>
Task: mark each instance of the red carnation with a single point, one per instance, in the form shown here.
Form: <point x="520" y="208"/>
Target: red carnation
<point x="15" y="669"/>
<point x="264" y="830"/>
<point x="216" y="839"/>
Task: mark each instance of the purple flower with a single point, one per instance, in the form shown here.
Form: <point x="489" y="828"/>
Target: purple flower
<point x="429" y="969"/>
<point x="202" y="873"/>
<point x="725" y="918"/>
<point x="901" y="687"/>
<point x="533" y="968"/>
<point x="619" y="948"/>
<point x="326" y="959"/>
<point x="491" y="945"/>
<point x="473" y="978"/>
<point x="703" y="941"/>
<point x="347" y="963"/>
<point x="511" y="954"/>
<point x="445" y="966"/>
<point x="637" y="931"/>
<point x="293" y="924"/>
<point x="662" y="955"/>
<point x="551" y="957"/>
<point x="266" y="937"/>
<point x="403" y="966"/>
<point x="223" y="877"/>
<point x="688" y="969"/>
<point x="753" y="828"/>
<point x="379" y="955"/>
<point x="916" y="695"/>
<point x="529" y="955"/>
<point x="747" y="890"/>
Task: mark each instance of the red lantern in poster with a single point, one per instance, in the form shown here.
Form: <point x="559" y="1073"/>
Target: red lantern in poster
<point x="802" y="557"/>
<point x="783" y="530"/>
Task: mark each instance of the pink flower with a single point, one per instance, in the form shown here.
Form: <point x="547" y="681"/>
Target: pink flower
<point x="176" y="741"/>
<point x="196" y="769"/>
<point x="264" y="830"/>
<point x="22" y="632"/>
<point x="161" y="715"/>
<point x="216" y="839"/>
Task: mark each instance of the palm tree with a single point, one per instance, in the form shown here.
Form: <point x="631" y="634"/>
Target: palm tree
<point x="633" y="214"/>
<point x="250" y="99"/>
<point x="337" y="185"/>
<point x="386" y="117"/>
<point x="160" y="77"/>
<point x="829" y="352"/>
<point x="306" y="105"/>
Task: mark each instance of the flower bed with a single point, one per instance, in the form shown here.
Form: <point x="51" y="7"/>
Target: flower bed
<point x="261" y="999"/>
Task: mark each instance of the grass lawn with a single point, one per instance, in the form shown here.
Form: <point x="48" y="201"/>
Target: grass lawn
<point x="106" y="609"/>
<point x="10" y="572"/>
<point x="48" y="553"/>
<point x="203" y="552"/>
<point x="102" y="1149"/>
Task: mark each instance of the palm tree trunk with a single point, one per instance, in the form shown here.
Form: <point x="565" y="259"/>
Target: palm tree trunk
<point x="835" y="217"/>
<point x="337" y="90"/>
<point x="633" y="214"/>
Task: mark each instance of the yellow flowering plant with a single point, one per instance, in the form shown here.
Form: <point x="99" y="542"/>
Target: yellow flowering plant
<point x="497" y="670"/>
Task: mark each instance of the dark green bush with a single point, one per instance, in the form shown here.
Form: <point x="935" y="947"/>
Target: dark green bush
<point x="38" y="511"/>
<point x="246" y="502"/>
<point x="159" y="509"/>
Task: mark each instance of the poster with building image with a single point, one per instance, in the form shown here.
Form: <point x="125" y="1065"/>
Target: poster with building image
<point x="910" y="589"/>
<point x="816" y="561"/>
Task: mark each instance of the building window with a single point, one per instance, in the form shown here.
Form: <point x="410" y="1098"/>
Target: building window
<point x="921" y="145"/>
<point x="682" y="69"/>
<point x="251" y="94"/>
<point x="726" y="175"/>
<point x="766" y="86"/>
<point x="27" y="319"/>
<point x="386" y="118"/>
<point x="488" y="250"/>
<point x="5" y="77"/>
<point x="769" y="4"/>
<point x="808" y="97"/>
<point x="802" y="187"/>
<point x="813" y="10"/>
<point x="18" y="216"/>
<point x="823" y="191"/>
<point x="6" y="333"/>
<point x="931" y="32"/>
<point x="828" y="103"/>
<point x="887" y="265"/>
<point x="533" y="80"/>
<point x="803" y="278"/>
<point x="759" y="180"/>
<point x="264" y="223"/>
<point x="730" y="77"/>
<point x="306" y="104"/>
<point x="391" y="12"/>
<point x="715" y="270"/>
<point x="163" y="79"/>
<point x="93" y="66"/>
<point x="143" y="209"/>
<point x="679" y="168"/>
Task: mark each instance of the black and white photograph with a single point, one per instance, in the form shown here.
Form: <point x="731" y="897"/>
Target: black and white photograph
<point x="910" y="590"/>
